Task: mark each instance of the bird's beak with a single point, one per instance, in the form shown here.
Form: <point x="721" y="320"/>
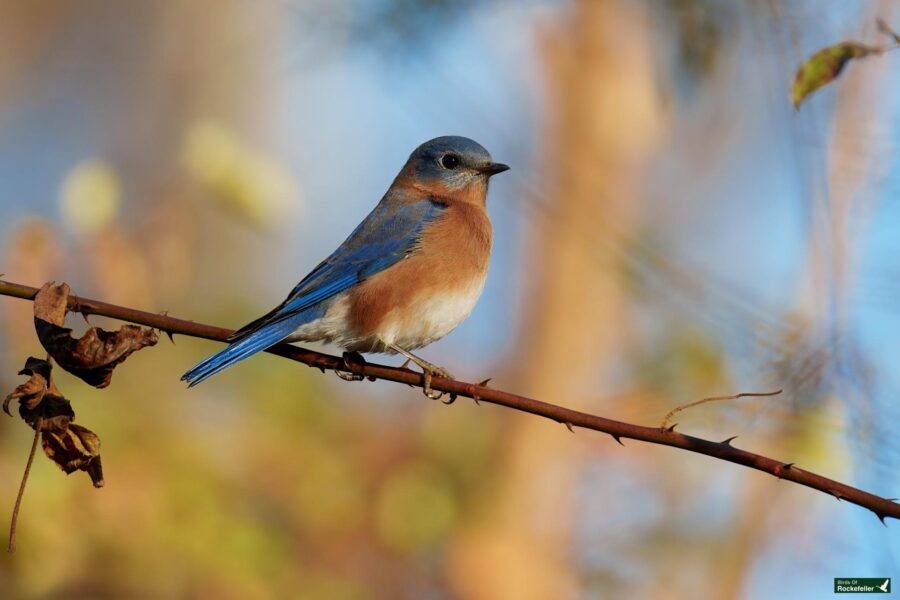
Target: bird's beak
<point x="492" y="169"/>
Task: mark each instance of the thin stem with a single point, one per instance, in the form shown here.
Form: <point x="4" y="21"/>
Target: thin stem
<point x="882" y="507"/>
<point x="681" y="407"/>
<point x="15" y="514"/>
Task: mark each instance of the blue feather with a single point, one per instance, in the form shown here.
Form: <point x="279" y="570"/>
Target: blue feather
<point x="388" y="234"/>
<point x="261" y="339"/>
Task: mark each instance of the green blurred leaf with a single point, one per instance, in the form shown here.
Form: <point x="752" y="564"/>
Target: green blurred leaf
<point x="463" y="442"/>
<point x="416" y="507"/>
<point x="824" y="66"/>
<point x="328" y="494"/>
<point x="328" y="586"/>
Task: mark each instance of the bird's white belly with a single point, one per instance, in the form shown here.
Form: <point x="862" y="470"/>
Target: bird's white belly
<point x="332" y="327"/>
<point x="427" y="318"/>
<point x="431" y="317"/>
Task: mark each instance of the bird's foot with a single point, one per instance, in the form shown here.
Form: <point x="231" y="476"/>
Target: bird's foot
<point x="428" y="372"/>
<point x="351" y="358"/>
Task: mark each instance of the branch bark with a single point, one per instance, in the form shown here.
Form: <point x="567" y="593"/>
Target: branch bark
<point x="724" y="450"/>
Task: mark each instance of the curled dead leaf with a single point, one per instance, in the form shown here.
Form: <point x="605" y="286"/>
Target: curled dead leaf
<point x="32" y="391"/>
<point x="44" y="408"/>
<point x="93" y="356"/>
<point x="824" y="66"/>
<point x="40" y="402"/>
<point x="75" y="449"/>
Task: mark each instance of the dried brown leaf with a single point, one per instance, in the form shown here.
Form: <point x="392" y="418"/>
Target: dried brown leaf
<point x="75" y="449"/>
<point x="93" y="356"/>
<point x="39" y="399"/>
<point x="50" y="303"/>
<point x="44" y="408"/>
<point x="30" y="393"/>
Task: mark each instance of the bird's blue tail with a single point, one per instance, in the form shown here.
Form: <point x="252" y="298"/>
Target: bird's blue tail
<point x="264" y="337"/>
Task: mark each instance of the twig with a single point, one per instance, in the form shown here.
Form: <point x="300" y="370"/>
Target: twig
<point x="15" y="514"/>
<point x="884" y="28"/>
<point x="881" y="507"/>
<point x="681" y="407"/>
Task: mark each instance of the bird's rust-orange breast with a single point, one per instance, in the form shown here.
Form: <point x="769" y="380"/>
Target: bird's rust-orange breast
<point x="434" y="289"/>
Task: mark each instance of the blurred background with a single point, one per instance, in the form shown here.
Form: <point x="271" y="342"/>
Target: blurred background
<point x="671" y="229"/>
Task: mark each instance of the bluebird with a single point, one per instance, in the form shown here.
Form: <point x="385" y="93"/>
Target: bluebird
<point x="408" y="275"/>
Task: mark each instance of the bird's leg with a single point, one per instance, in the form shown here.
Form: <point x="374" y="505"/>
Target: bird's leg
<point x="428" y="370"/>
<point x="349" y="357"/>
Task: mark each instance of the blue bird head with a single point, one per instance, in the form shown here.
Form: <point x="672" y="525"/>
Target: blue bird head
<point x="452" y="161"/>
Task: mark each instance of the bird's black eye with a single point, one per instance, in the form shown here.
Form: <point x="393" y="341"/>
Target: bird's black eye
<point x="450" y="161"/>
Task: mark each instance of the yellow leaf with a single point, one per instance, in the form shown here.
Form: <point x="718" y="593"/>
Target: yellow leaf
<point x="243" y="180"/>
<point x="824" y="66"/>
<point x="90" y="195"/>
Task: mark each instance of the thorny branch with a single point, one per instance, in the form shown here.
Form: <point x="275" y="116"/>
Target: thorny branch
<point x="724" y="450"/>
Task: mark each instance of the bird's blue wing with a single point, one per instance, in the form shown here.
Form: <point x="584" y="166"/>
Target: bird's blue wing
<point x="388" y="234"/>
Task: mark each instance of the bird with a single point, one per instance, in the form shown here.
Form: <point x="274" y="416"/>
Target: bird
<point x="407" y="276"/>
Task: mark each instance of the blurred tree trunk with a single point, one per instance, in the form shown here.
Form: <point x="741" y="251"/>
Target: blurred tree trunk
<point x="605" y="123"/>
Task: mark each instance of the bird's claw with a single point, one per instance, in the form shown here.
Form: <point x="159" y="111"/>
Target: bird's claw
<point x="347" y="376"/>
<point x="428" y="373"/>
<point x="348" y="358"/>
<point x="426" y="388"/>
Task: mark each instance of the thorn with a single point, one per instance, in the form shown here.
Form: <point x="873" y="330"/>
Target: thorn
<point x="484" y="383"/>
<point x="569" y="426"/>
<point x="476" y="399"/>
<point x="617" y="438"/>
<point x="405" y="365"/>
<point x="171" y="336"/>
<point x="728" y="441"/>
<point x="85" y="317"/>
<point x="671" y="428"/>
<point x="782" y="467"/>
<point x="320" y="368"/>
<point x="881" y="517"/>
<point x="838" y="495"/>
